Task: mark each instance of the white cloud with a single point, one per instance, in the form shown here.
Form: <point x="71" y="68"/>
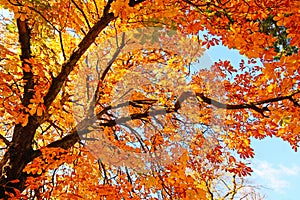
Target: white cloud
<point x="275" y="177"/>
<point x="290" y="171"/>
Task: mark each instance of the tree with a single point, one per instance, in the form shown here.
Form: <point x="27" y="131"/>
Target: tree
<point x="46" y="149"/>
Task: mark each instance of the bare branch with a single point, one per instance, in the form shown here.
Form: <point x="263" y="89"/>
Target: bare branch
<point x="74" y="135"/>
<point x="62" y="45"/>
<point x="68" y="66"/>
<point x="253" y="105"/>
<point x="96" y="7"/>
<point x="83" y="14"/>
<point x="114" y="57"/>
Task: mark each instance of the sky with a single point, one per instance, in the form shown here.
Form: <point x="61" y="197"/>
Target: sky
<point x="276" y="167"/>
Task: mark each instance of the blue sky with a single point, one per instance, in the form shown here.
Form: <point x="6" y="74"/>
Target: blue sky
<point x="276" y="166"/>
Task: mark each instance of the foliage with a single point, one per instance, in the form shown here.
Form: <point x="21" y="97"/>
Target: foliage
<point x="95" y="105"/>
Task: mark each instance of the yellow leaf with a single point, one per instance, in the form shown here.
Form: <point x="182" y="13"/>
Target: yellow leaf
<point x="25" y="121"/>
<point x="39" y="171"/>
<point x="32" y="111"/>
<point x="39" y="111"/>
<point x="271" y="87"/>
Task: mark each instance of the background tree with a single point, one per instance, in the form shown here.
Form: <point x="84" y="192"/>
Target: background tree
<point x="43" y="47"/>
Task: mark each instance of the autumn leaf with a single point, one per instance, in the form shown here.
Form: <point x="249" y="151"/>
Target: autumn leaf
<point x="116" y="99"/>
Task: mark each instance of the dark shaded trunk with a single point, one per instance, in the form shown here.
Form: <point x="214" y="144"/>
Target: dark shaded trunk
<point x="19" y="152"/>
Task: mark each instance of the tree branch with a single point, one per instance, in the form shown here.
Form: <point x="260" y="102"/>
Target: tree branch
<point x="74" y="137"/>
<point x="20" y="151"/>
<point x="114" y="57"/>
<point x="83" y="14"/>
<point x="253" y="105"/>
<point x="24" y="39"/>
<point x="67" y="67"/>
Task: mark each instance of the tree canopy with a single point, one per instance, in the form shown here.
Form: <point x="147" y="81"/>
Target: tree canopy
<point x="99" y="98"/>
